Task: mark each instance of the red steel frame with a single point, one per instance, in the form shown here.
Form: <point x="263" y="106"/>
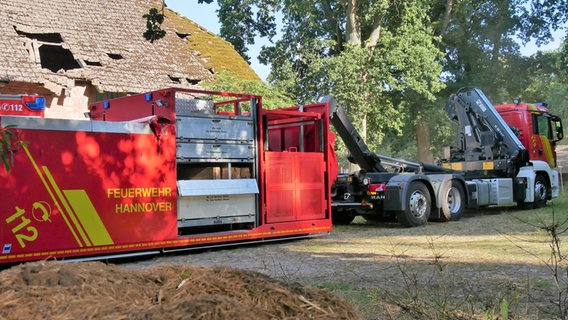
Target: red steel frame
<point x="91" y="188"/>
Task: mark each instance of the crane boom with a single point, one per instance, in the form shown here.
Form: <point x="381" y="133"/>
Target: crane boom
<point x="482" y="134"/>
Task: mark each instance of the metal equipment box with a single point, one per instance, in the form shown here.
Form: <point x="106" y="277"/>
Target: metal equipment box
<point x="214" y="152"/>
<point x="214" y="128"/>
<point x="221" y="201"/>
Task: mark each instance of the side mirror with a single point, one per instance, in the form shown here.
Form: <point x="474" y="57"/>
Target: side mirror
<point x="557" y="122"/>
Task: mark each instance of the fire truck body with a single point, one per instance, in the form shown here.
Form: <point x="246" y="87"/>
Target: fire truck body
<point x="166" y="170"/>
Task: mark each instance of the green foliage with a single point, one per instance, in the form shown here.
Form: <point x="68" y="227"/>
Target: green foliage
<point x="548" y="80"/>
<point x="480" y="39"/>
<point x="377" y="80"/>
<point x="393" y="64"/>
<point x="242" y="20"/>
<point x="7" y="138"/>
<point x="272" y="97"/>
<point x="543" y="17"/>
<point x="154" y="20"/>
<point x="479" y="44"/>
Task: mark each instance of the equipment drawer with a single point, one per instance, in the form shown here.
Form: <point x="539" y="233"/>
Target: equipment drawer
<point x="212" y="128"/>
<point x="223" y="200"/>
<point x="214" y="152"/>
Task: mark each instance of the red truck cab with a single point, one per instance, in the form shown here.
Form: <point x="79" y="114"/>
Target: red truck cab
<point x="536" y="127"/>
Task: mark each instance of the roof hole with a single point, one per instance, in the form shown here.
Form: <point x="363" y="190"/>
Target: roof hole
<point x="93" y="63"/>
<point x="56" y="58"/>
<point x="115" y="56"/>
<point x="43" y="37"/>
<point x="183" y="35"/>
<point x="193" y="81"/>
<point x="175" y="79"/>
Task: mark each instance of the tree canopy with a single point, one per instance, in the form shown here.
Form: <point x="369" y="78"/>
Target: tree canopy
<point x="394" y="63"/>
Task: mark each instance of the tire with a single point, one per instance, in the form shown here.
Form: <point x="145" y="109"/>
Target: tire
<point x="342" y="218"/>
<point x="418" y="206"/>
<point x="540" y="191"/>
<point x="453" y="203"/>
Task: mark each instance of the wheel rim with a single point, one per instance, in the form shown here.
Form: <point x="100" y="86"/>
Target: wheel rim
<point x="418" y="204"/>
<point x="454" y="200"/>
<point x="539" y="191"/>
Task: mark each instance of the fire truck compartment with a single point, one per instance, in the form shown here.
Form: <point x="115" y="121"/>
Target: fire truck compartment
<point x="214" y="152"/>
<point x="215" y="128"/>
<point x="213" y="202"/>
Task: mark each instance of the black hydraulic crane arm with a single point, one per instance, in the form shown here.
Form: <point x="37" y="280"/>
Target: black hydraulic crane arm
<point x="482" y="132"/>
<point x="360" y="153"/>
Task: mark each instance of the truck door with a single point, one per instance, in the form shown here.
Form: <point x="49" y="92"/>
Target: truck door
<point x="294" y="163"/>
<point x="546" y="129"/>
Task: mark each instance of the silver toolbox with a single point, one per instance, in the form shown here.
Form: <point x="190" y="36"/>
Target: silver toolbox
<point x="214" y="152"/>
<point x="221" y="201"/>
<point x="214" y="128"/>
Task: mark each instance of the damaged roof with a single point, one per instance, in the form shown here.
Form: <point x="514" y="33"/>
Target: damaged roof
<point x="55" y="43"/>
<point x="215" y="53"/>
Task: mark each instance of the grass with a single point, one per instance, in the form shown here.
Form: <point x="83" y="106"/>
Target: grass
<point x="497" y="263"/>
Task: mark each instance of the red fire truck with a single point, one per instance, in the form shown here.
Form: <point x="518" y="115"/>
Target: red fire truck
<point x="175" y="169"/>
<point x="165" y="170"/>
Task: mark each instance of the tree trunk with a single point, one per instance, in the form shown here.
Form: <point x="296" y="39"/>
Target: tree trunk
<point x="333" y="25"/>
<point x="447" y="15"/>
<point x="423" y="143"/>
<point x="353" y="23"/>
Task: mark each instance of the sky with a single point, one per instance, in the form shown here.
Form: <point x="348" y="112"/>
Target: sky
<point x="206" y="16"/>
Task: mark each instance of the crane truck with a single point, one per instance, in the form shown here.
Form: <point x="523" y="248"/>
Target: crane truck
<point x="178" y="169"/>
<point x="489" y="166"/>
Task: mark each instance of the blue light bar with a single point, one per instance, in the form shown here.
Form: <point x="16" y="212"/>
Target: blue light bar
<point x="148" y="97"/>
<point x="37" y="104"/>
<point x="106" y="104"/>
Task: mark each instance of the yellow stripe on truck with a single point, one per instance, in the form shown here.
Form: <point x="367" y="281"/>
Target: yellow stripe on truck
<point x="88" y="217"/>
<point x="547" y="151"/>
<point x="51" y="193"/>
<point x="67" y="207"/>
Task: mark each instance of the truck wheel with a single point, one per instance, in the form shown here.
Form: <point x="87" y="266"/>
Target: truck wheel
<point x="418" y="206"/>
<point x="453" y="204"/>
<point x="540" y="194"/>
<point x="540" y="191"/>
<point x="342" y="217"/>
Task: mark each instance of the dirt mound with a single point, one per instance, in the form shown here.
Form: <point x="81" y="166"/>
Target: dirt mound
<point x="94" y="290"/>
